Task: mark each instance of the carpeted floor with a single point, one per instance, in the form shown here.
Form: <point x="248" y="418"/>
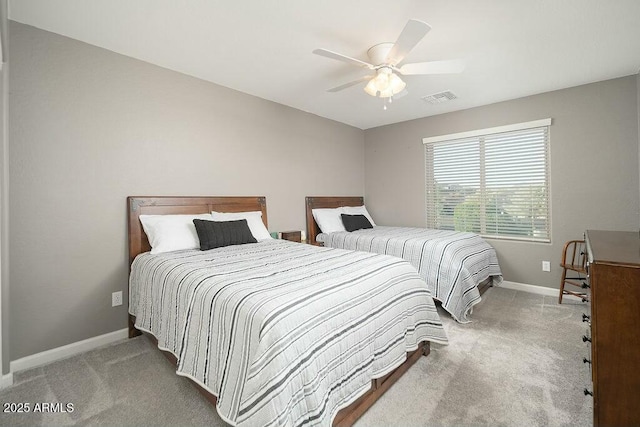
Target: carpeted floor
<point x="518" y="364"/>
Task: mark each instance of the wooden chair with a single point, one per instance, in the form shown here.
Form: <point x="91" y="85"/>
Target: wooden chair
<point x="574" y="260"/>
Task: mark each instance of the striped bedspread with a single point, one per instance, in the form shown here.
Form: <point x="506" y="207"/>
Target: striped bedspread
<point x="284" y="334"/>
<point x="452" y="263"/>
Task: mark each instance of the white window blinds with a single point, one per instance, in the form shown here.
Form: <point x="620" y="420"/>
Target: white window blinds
<point x="494" y="182"/>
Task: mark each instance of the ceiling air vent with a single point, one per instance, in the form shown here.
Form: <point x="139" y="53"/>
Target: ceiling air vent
<point x="440" y="97"/>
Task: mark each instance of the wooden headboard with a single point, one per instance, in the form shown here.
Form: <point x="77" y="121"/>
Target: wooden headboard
<point x="318" y="202"/>
<point x="167" y="205"/>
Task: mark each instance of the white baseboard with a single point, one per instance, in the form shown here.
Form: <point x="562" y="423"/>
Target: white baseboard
<point x="535" y="289"/>
<point x="6" y="380"/>
<point x="65" y="351"/>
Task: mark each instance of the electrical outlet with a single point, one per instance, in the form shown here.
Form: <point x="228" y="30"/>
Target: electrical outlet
<point x="116" y="299"/>
<point x="546" y="266"/>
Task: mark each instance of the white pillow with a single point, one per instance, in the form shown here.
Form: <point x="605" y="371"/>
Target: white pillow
<point x="329" y="220"/>
<point x="167" y="233"/>
<point x="254" y="221"/>
<point x="358" y="210"/>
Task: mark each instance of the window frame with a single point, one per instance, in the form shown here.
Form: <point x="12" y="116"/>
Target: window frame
<point x="480" y="134"/>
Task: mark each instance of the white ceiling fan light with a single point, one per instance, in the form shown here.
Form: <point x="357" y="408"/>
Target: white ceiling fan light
<point x="371" y="88"/>
<point x="384" y="59"/>
<point x="385" y="84"/>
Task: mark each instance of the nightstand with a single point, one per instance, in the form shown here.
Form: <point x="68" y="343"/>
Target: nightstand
<point x="292" y="236"/>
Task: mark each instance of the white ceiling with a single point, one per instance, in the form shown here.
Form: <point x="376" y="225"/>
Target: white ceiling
<point x="512" y="48"/>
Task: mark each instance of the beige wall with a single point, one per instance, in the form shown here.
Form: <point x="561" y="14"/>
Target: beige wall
<point x="89" y="127"/>
<point x="594" y="167"/>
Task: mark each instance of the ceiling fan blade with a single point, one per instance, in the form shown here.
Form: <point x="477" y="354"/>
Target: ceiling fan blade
<point x="433" y="67"/>
<point x="410" y="36"/>
<point x="343" y="58"/>
<point x="353" y="83"/>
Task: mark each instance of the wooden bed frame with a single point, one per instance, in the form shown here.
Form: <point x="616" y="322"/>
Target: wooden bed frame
<point x="163" y="205"/>
<point x="319" y="202"/>
<point x="315" y="202"/>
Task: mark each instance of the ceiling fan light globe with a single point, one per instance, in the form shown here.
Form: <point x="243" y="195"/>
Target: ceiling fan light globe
<point x="381" y="81"/>
<point x="370" y="88"/>
<point x="396" y="84"/>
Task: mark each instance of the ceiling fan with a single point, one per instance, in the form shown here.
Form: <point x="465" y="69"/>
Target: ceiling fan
<point x="385" y="58"/>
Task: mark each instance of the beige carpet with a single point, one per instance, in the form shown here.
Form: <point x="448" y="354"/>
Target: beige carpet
<point x="518" y="364"/>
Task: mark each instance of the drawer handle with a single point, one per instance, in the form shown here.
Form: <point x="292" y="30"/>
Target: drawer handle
<point x="587" y="392"/>
<point x="586" y="318"/>
<point x="585" y="338"/>
<point x="585" y="360"/>
<point x="585" y="285"/>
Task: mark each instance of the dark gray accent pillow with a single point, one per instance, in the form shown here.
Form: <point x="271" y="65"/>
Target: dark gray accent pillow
<point x="216" y="234"/>
<point x="355" y="222"/>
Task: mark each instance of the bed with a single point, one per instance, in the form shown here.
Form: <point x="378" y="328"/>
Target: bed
<point x="458" y="267"/>
<point x="276" y="332"/>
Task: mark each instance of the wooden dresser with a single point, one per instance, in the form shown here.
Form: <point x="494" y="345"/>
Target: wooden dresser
<point x="614" y="277"/>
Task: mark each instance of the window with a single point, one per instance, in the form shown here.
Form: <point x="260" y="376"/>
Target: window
<point x="494" y="182"/>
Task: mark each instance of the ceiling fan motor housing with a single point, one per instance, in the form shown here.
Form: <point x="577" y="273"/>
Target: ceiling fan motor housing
<point x="378" y="54"/>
